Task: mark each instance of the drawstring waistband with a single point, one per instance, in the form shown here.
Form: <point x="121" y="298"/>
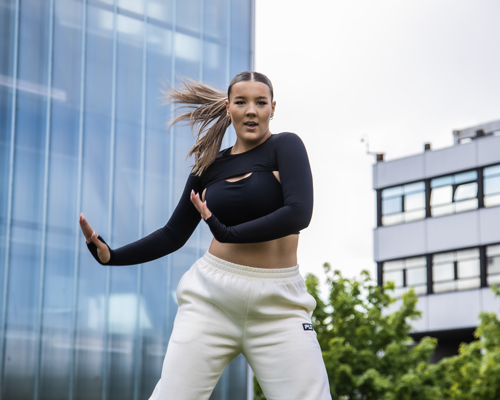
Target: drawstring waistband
<point x="284" y="275"/>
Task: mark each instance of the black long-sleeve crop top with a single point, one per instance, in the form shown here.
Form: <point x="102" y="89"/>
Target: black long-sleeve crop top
<point x="254" y="209"/>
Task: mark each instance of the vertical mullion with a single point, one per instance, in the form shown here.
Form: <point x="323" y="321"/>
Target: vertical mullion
<point x="483" y="266"/>
<point x="78" y="200"/>
<point x="3" y="317"/>
<point x="428" y="258"/>
<point x="380" y="273"/>
<point x="41" y="289"/>
<point x="427" y="198"/>
<point x="223" y="378"/>
<point x="252" y="35"/>
<point x="200" y="79"/>
<point x="138" y="339"/>
<point x="110" y="203"/>
<point x="171" y="159"/>
<point x="379" y="207"/>
<point x="480" y="188"/>
<point x="228" y="58"/>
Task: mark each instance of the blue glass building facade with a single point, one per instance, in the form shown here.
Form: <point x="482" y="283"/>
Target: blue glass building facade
<point x="82" y="130"/>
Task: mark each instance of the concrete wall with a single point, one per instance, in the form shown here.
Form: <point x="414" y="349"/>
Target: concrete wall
<point x="431" y="235"/>
<point x="452" y="310"/>
<point x="478" y="153"/>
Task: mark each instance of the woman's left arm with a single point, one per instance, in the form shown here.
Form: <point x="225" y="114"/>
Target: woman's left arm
<point x="295" y="215"/>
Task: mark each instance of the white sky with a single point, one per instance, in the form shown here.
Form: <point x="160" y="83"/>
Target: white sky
<point x="400" y="72"/>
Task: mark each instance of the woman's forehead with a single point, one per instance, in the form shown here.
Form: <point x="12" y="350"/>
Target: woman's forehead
<point x="250" y="89"/>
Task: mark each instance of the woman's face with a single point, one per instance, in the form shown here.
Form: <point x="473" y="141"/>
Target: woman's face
<point x="250" y="108"/>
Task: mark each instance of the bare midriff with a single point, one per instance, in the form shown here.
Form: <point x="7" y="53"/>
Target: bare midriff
<point x="278" y="253"/>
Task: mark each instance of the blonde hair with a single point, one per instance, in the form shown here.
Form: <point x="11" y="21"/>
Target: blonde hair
<point x="207" y="110"/>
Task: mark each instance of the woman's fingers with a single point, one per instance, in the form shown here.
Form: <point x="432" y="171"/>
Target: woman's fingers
<point x="86" y="229"/>
<point x="201" y="206"/>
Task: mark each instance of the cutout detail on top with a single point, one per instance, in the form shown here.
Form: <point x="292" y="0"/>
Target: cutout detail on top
<point x="239" y="177"/>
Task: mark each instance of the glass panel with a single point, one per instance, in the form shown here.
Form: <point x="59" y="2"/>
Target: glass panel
<point x="468" y="269"/>
<point x="416" y="276"/>
<point x="494" y="170"/>
<point x="444" y="181"/>
<point x="392" y="219"/>
<point x="443" y="272"/>
<point x="467" y="254"/>
<point x="493" y="250"/>
<point x="416" y="262"/>
<point x="414" y="215"/>
<point x="20" y="337"/>
<point x="465" y="177"/>
<point x="394" y="276"/>
<point x="414" y="187"/>
<point x="466" y="191"/>
<point x="492" y="201"/>
<point x="400" y="291"/>
<point x="392" y="206"/>
<point x="492" y="185"/>
<point x="443" y="287"/>
<point x="393" y="265"/>
<point x="443" y="257"/>
<point x="391" y="192"/>
<point x="420" y="290"/>
<point x="466" y="205"/>
<point x="493" y="266"/>
<point x="442" y="195"/>
<point x="442" y="210"/>
<point x="464" y="284"/>
<point x="414" y="201"/>
<point x="493" y="280"/>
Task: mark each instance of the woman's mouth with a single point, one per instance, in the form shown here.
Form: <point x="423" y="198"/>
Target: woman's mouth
<point x="250" y="125"/>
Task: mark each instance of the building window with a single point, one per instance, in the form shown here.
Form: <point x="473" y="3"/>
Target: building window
<point x="456" y="270"/>
<point x="407" y="273"/>
<point x="493" y="264"/>
<point x="404" y="203"/>
<point x="492" y="186"/>
<point x="454" y="193"/>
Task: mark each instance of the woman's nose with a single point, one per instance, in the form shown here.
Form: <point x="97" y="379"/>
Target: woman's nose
<point x="251" y="110"/>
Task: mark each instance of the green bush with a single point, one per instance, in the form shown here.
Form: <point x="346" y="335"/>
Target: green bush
<point x="369" y="354"/>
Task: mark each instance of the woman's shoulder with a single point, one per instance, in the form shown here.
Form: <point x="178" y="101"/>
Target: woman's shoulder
<point x="288" y="140"/>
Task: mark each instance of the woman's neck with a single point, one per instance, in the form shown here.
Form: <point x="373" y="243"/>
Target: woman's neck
<point x="242" y="146"/>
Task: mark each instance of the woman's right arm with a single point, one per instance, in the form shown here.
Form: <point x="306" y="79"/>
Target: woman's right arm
<point x="161" y="242"/>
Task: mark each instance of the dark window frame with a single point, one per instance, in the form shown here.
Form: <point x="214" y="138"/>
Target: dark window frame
<point x="483" y="265"/>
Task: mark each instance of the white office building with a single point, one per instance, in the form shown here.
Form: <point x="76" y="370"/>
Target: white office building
<point x="438" y="230"/>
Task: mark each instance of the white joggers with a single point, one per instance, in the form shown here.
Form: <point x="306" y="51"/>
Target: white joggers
<point x="226" y="309"/>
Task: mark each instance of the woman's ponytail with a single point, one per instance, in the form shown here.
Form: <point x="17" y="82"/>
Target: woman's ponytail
<point x="205" y="105"/>
<point x="207" y="110"/>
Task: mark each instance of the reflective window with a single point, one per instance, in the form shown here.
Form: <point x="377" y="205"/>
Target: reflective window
<point x="82" y="85"/>
<point x="454" y="193"/>
<point x="493" y="264"/>
<point x="407" y="273"/>
<point x="456" y="270"/>
<point x="492" y="186"/>
<point x="403" y="203"/>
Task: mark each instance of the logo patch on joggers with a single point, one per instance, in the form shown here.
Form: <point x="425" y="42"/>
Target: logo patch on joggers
<point x="308" y="327"/>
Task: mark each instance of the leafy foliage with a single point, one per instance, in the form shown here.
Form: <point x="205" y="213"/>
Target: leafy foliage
<point x="369" y="354"/>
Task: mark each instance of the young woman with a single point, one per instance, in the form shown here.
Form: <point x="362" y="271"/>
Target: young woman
<point x="245" y="295"/>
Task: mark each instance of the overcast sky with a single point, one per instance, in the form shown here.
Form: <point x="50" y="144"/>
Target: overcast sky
<point x="398" y="72"/>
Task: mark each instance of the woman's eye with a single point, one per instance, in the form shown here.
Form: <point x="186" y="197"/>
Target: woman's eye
<point x="239" y="102"/>
<point x="261" y="103"/>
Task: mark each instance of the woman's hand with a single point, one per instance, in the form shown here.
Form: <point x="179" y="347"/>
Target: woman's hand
<point x="201" y="206"/>
<point x="91" y="236"/>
